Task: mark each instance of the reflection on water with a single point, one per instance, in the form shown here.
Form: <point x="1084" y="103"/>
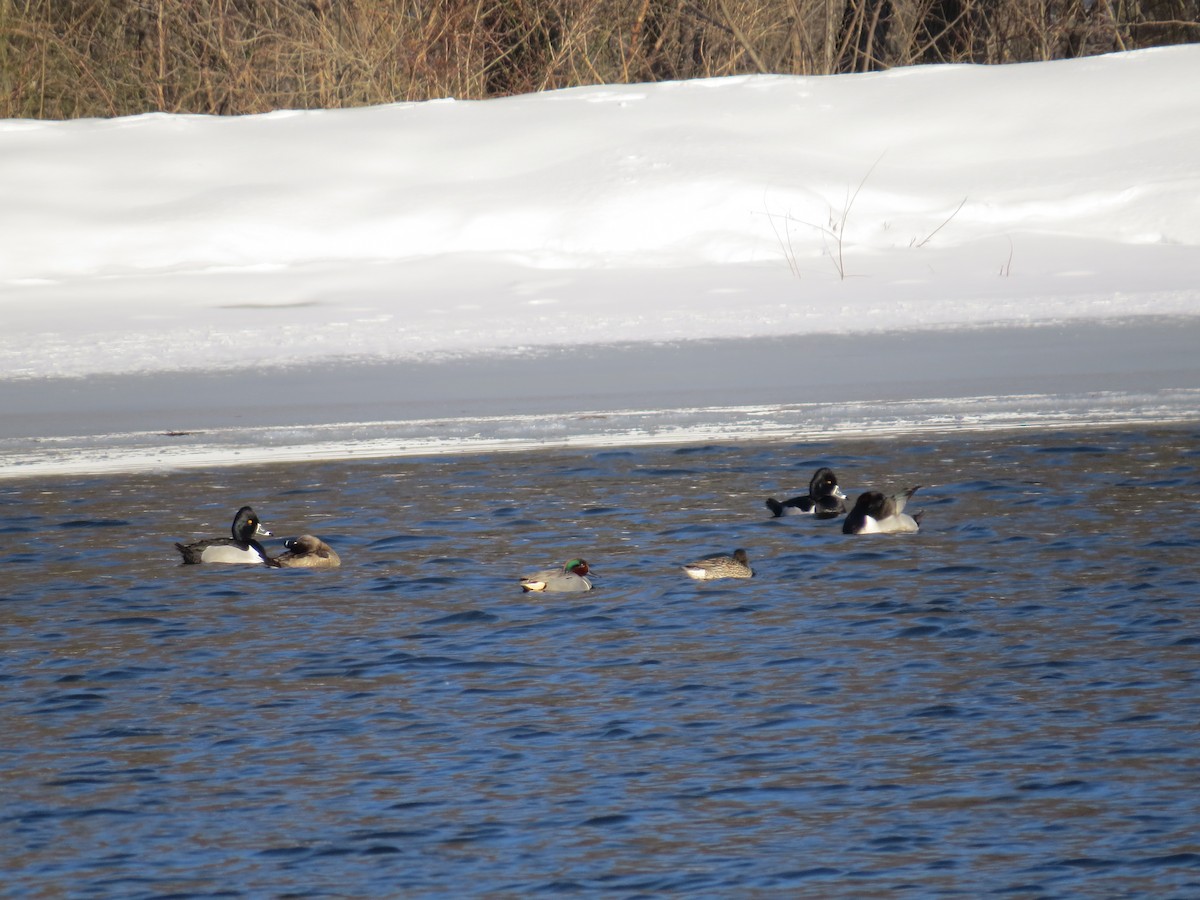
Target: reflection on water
<point x="1002" y="703"/>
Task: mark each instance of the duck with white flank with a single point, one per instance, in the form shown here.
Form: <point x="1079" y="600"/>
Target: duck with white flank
<point x="241" y="548"/>
<point x="823" y="501"/>
<point x="877" y="513"/>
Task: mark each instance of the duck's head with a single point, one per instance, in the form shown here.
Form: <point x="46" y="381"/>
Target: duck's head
<point x="246" y="525"/>
<point x="305" y="543"/>
<point x="871" y="503"/>
<point x="825" y="484"/>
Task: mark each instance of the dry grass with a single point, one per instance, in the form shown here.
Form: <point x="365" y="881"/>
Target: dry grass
<point x="71" y="58"/>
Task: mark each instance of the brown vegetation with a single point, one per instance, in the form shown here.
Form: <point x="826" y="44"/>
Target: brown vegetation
<point x="70" y="58"/>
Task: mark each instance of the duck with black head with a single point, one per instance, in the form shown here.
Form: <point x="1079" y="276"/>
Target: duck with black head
<point x="823" y="500"/>
<point x="240" y="549"/>
<point x="877" y="513"/>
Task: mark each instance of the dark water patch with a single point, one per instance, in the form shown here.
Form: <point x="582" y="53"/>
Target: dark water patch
<point x="94" y="523"/>
<point x="431" y="582"/>
<point x="12" y="528"/>
<point x="694" y="532"/>
<point x="390" y="584"/>
<point x="941" y="711"/>
<point x="460" y="563"/>
<point x="706" y="450"/>
<point x="71" y="701"/>
<point x="1171" y="543"/>
<point x="470" y="616"/>
<point x="69" y="814"/>
<point x="606" y="821"/>
<point x="963" y="633"/>
<point x="1055" y="449"/>
<point x="1047" y="664"/>
<point x="109" y="734"/>
<point x="1188" y="859"/>
<point x="402" y="540"/>
<point x="524" y="522"/>
<point x="128" y="620"/>
<point x="957" y="570"/>
<point x="816" y="873"/>
<point x="1135" y="484"/>
<point x="1084" y="862"/>
<point x="893" y="843"/>
<point x="867" y="555"/>
<point x="953" y="490"/>
<point x="1070" y="785"/>
<point x="288" y="852"/>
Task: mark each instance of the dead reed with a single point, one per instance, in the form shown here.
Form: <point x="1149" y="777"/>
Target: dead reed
<point x="71" y="58"/>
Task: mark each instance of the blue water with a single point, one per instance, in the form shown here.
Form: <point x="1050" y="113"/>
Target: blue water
<point x="1004" y="704"/>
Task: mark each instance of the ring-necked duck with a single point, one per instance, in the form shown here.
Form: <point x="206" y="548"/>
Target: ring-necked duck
<point x="824" y="500"/>
<point x="241" y="548"/>
<point x="877" y="513"/>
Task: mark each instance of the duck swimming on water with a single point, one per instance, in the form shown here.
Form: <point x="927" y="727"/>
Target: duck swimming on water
<point x="241" y="548"/>
<point x="570" y="578"/>
<point x="735" y="566"/>
<point x="307" y="552"/>
<point x="878" y="513"/>
<point x="823" y="501"/>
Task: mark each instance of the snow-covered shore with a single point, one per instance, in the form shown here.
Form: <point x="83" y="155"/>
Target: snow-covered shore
<point x="963" y="235"/>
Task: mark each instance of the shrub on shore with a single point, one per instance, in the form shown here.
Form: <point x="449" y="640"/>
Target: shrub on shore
<point x="70" y="58"/>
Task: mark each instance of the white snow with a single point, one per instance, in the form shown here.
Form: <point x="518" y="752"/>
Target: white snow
<point x="944" y="197"/>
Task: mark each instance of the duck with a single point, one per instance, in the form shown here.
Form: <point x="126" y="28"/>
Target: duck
<point x="242" y="548"/>
<point x="824" y="499"/>
<point x="570" y="578"/>
<point x="735" y="566"/>
<point x="877" y="513"/>
<point x="307" y="552"/>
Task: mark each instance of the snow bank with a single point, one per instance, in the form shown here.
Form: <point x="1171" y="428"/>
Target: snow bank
<point x="742" y="207"/>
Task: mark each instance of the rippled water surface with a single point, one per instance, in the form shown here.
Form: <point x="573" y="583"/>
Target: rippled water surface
<point x="1005" y="703"/>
